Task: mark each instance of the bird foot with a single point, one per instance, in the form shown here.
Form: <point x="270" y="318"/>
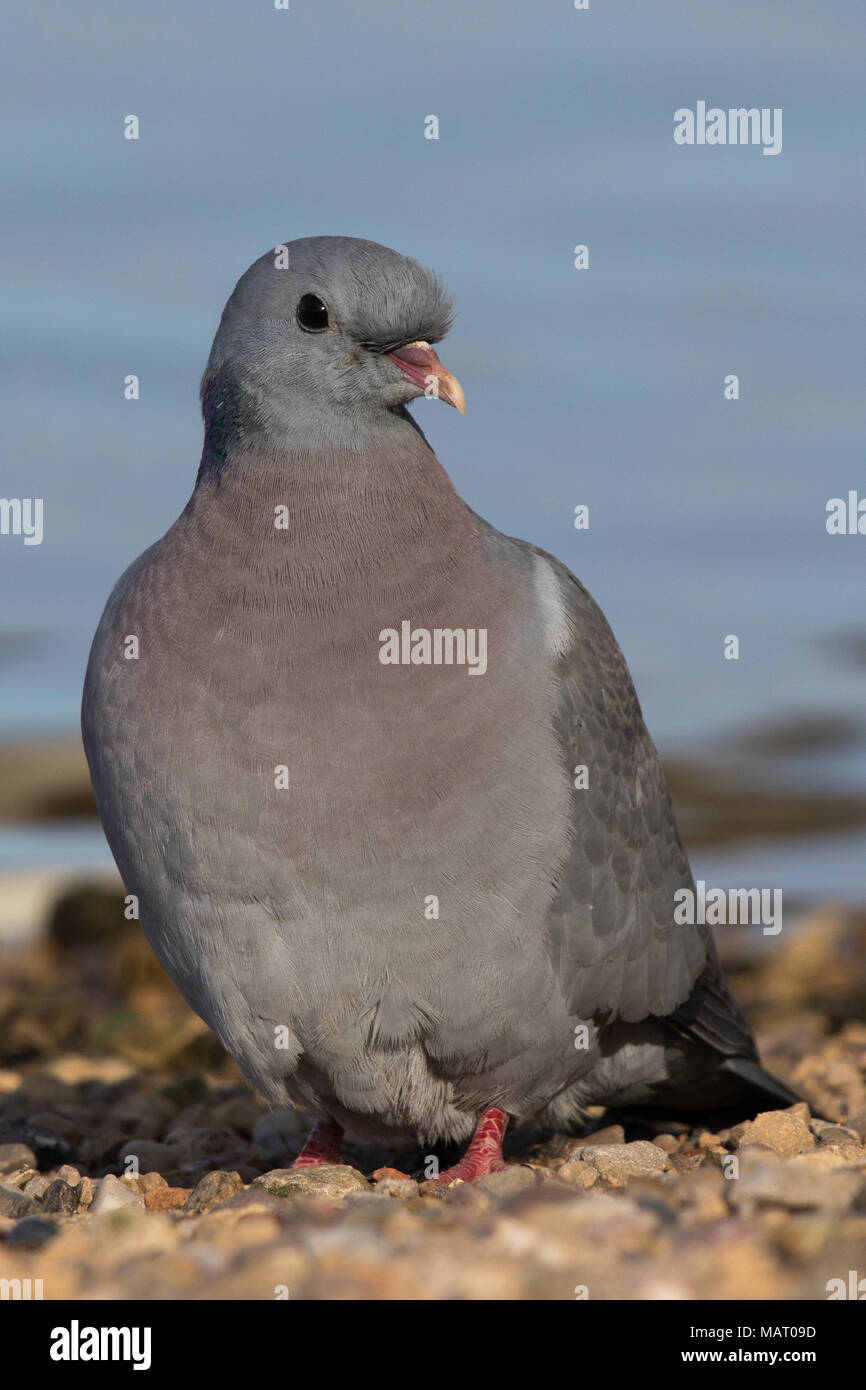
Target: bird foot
<point x="322" y="1149"/>
<point x="484" y="1154"/>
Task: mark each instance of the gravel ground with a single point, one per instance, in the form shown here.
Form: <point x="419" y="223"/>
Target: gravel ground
<point x="134" y="1163"/>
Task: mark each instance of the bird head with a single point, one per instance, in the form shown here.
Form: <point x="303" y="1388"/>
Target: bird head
<point x="327" y="335"/>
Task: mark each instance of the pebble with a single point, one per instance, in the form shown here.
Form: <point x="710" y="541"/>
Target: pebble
<point x="31" y="1232"/>
<point x="794" y="1186"/>
<point x="610" y="1134"/>
<point x="242" y="1113"/>
<point x="114" y="1194"/>
<point x="213" y="1188"/>
<point x="253" y="1201"/>
<point x="668" y="1143"/>
<point x="167" y="1198"/>
<point x="857" y="1122"/>
<point x="38" y="1185"/>
<point x="150" y="1155"/>
<point x="60" y="1197"/>
<point x="515" y="1178"/>
<point x="21" y="1177"/>
<point x="14" y="1156"/>
<point x="403" y="1188"/>
<point x="621" y="1161"/>
<point x="145" y="1181"/>
<point x="579" y="1174"/>
<point x="331" y="1181"/>
<point x="72" y="1069"/>
<point x="14" y="1202"/>
<point x="279" y="1133"/>
<point x="787" y="1132"/>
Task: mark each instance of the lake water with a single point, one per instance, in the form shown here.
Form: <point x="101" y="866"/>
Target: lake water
<point x="601" y="386"/>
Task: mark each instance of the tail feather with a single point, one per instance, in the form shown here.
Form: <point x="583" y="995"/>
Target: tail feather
<point x="762" y="1089"/>
<point x="732" y="1090"/>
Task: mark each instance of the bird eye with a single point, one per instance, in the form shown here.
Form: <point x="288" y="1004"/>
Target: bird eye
<point x="312" y="313"/>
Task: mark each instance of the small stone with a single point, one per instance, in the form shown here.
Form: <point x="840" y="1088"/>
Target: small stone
<point x="21" y="1177"/>
<point x="14" y="1202"/>
<point x="69" y="1174"/>
<point x="787" y="1132"/>
<point x="212" y="1189"/>
<point x="46" y="1147"/>
<point x="114" y="1194"/>
<point x="31" y="1232"/>
<point x="143" y="1115"/>
<point x="44" y="1091"/>
<point x="14" y="1156"/>
<point x="187" y="1089"/>
<point x="279" y="1132"/>
<point x="333" y="1181"/>
<point x="621" y="1161"/>
<point x="684" y="1163"/>
<point x="56" y="1125"/>
<point x="61" y="1198"/>
<point x="857" y="1122"/>
<point x="87" y="915"/>
<point x="838" y="1135"/>
<point x="241" y="1112"/>
<point x="668" y="1143"/>
<point x="74" y="1069"/>
<point x="167" y="1198"/>
<point x="514" y="1178"/>
<point x="145" y="1181"/>
<point x="401" y="1187"/>
<point x="246" y="1171"/>
<point x="100" y="1148"/>
<point x="611" y="1134"/>
<point x="579" y="1174"/>
<point x="762" y="1152"/>
<point x="85" y="1194"/>
<point x="177" y="1177"/>
<point x="37" y="1186"/>
<point x="791" y="1185"/>
<point x="150" y="1155"/>
<point x="249" y="1203"/>
<point x="194" y="1144"/>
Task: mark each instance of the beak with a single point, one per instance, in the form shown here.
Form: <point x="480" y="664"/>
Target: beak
<point x="420" y="365"/>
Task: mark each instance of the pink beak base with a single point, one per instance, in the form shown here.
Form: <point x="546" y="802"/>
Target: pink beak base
<point x="420" y="365"/>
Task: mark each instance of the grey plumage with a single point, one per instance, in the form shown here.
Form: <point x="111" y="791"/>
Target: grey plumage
<point x="296" y="921"/>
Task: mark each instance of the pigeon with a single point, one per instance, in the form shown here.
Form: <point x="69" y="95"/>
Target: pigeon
<point x="377" y="774"/>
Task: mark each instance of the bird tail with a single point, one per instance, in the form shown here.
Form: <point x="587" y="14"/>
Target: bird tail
<point x="760" y="1089"/>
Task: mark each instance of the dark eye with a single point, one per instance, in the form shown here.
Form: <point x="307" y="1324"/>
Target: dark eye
<point x="312" y="313"/>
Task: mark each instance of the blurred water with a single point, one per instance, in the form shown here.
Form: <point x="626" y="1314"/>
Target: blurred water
<point x="602" y="386"/>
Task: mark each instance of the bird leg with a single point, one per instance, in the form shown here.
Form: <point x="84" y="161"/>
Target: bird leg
<point x="322" y="1149"/>
<point x="484" y="1154"/>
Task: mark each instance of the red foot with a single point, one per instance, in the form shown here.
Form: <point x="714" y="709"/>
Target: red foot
<point x="484" y="1154"/>
<point x="322" y="1149"/>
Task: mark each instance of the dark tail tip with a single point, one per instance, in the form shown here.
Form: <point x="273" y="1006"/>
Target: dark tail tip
<point x="762" y="1090"/>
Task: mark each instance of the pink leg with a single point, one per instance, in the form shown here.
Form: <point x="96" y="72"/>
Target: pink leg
<point x="322" y="1149"/>
<point x="484" y="1154"/>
